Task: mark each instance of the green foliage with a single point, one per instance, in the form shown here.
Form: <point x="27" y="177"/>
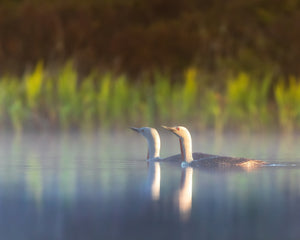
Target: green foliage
<point x="103" y="98"/>
<point x="2" y="101"/>
<point x="162" y="89"/>
<point x="68" y="101"/>
<point x="189" y="94"/>
<point x="16" y="111"/>
<point x="88" y="106"/>
<point x="33" y="84"/>
<point x="288" y="104"/>
<point x="134" y="108"/>
<point x="119" y="99"/>
<point x="247" y="101"/>
<point x="108" y="101"/>
<point x="212" y="113"/>
<point x="240" y="99"/>
<point x="11" y="102"/>
<point x="49" y="100"/>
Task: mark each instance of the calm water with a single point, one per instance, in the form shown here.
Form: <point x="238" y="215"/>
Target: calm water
<point x="99" y="186"/>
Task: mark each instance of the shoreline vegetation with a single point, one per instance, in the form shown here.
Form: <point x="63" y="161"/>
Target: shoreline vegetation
<point x="42" y="99"/>
<point x="135" y="36"/>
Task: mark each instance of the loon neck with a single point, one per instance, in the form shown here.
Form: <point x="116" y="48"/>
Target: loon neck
<point x="186" y="148"/>
<point x="153" y="148"/>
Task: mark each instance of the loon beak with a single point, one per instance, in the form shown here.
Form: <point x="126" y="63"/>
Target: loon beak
<point x="168" y="128"/>
<point x="171" y="129"/>
<point x="135" y="129"/>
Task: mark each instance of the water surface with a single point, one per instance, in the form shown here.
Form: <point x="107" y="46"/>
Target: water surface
<point x="99" y="186"/>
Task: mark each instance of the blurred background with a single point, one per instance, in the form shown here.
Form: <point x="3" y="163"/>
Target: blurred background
<point x="209" y="64"/>
<point x="75" y="75"/>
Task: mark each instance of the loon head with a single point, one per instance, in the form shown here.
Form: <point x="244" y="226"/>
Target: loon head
<point x="147" y="132"/>
<point x="153" y="140"/>
<point x="179" y="131"/>
<point x="185" y="141"/>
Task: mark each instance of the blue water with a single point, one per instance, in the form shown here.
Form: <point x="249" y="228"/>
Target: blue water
<point x="99" y="186"/>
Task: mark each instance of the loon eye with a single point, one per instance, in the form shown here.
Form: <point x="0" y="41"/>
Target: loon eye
<point x="177" y="128"/>
<point x="142" y="130"/>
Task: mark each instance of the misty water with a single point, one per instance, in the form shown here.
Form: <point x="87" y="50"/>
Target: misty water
<point x="99" y="186"/>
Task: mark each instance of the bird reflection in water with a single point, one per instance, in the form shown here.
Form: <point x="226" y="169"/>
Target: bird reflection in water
<point x="185" y="193"/>
<point x="154" y="179"/>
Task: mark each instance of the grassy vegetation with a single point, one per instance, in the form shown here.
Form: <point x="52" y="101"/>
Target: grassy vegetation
<point x="43" y="100"/>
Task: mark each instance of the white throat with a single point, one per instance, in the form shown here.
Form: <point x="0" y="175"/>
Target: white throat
<point x="186" y="147"/>
<point x="153" y="147"/>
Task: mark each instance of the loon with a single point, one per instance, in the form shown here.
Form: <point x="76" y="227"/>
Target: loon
<point x="207" y="160"/>
<point x="153" y="140"/>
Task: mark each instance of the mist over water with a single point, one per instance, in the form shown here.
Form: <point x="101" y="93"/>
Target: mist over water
<point x="99" y="186"/>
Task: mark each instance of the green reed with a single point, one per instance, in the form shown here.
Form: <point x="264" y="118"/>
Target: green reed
<point x="247" y="102"/>
<point x="161" y="90"/>
<point x="43" y="99"/>
<point x="88" y="95"/>
<point x="287" y="97"/>
<point x="212" y="111"/>
<point x="68" y="104"/>
<point x="103" y="99"/>
<point x="33" y="85"/>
